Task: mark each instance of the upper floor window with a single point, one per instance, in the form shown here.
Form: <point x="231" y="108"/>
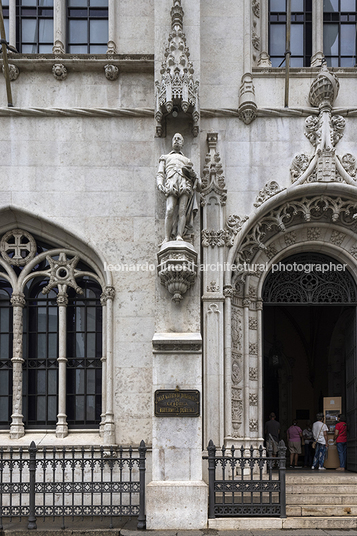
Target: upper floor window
<point x="301" y="32"/>
<point x="340" y="18"/>
<point x="87" y="29"/>
<point x="34" y="20"/>
<point x="5" y="12"/>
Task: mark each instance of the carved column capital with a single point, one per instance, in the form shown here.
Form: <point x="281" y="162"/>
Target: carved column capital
<point x="107" y="294"/>
<point x="228" y="291"/>
<point x="62" y="299"/>
<point x="18" y="300"/>
<point x="259" y="305"/>
<point x="246" y="302"/>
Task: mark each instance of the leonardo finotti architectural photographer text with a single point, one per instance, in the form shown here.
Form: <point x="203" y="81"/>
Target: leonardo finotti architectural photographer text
<point x="228" y="267"/>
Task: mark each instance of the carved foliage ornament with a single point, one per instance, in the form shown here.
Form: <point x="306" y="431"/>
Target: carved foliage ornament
<point x="177" y="274"/>
<point x="310" y="209"/>
<point x="270" y="189"/>
<point x="177" y="87"/>
<point x="213" y="178"/>
<point x="324" y="132"/>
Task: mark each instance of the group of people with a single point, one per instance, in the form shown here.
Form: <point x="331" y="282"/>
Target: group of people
<point x="313" y="437"/>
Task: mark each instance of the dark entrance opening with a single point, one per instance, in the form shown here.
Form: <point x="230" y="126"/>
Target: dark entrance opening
<point x="309" y="349"/>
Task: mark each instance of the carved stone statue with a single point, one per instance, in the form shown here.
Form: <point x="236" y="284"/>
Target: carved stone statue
<point x="178" y="181"/>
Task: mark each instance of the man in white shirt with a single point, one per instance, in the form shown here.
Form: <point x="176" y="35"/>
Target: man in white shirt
<point x="319" y="431"/>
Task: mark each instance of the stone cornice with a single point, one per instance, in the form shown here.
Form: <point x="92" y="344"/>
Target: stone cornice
<point x="83" y="62"/>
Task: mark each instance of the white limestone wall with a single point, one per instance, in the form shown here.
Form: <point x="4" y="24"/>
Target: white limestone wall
<point x="81" y="89"/>
<point x="95" y="178"/>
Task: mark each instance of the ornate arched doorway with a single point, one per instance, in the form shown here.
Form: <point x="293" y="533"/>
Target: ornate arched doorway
<point x="299" y="221"/>
<point x="309" y="337"/>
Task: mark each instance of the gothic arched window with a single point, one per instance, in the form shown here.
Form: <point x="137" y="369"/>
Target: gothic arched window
<point x="54" y="309"/>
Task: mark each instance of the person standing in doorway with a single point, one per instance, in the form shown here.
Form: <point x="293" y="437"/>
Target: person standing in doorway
<point x="341" y="441"/>
<point x="294" y="434"/>
<point x="308" y="439"/>
<point x="319" y="431"/>
<point x="272" y="432"/>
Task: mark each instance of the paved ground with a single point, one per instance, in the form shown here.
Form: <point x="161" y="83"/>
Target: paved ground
<point x="127" y="527"/>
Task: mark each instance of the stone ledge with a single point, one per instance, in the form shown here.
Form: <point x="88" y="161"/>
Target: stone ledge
<point x="169" y="343"/>
<point x="82" y="62"/>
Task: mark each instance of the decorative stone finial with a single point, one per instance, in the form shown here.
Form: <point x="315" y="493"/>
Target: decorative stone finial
<point x="324" y="89"/>
<point x="247" y="106"/>
<point x="324" y="132"/>
<point x="177" y="89"/>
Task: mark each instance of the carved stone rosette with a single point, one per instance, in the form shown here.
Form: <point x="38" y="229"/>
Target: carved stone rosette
<point x="177" y="90"/>
<point x="14" y="72"/>
<point x="177" y="268"/>
<point x="111" y="72"/>
<point x="59" y="71"/>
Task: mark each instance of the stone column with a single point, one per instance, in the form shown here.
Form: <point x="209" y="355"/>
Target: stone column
<point x="228" y="294"/>
<point x="17" y="426"/>
<point x="213" y="199"/>
<point x="112" y="27"/>
<point x="12" y="23"/>
<point x="259" y="326"/>
<point x="264" y="59"/>
<point x="247" y="105"/>
<point x="59" y="27"/>
<point x="103" y="302"/>
<point x="109" y="426"/>
<point x="317" y="33"/>
<point x="246" y="367"/>
<point x="62" y="426"/>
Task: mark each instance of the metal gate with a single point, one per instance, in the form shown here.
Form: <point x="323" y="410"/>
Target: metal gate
<point x="246" y="482"/>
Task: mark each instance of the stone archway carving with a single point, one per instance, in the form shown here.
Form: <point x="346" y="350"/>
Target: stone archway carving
<point x="294" y="221"/>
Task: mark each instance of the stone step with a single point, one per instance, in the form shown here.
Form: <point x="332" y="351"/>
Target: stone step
<point x="321" y="477"/>
<point x="318" y="510"/>
<point x="251" y="523"/>
<point x="320" y="489"/>
<point x="332" y="523"/>
<point x="325" y="498"/>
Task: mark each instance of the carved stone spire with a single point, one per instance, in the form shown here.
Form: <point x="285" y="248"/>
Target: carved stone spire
<point x="324" y="132"/>
<point x="177" y="89"/>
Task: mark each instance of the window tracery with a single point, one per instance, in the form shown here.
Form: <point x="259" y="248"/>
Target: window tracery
<point x="51" y="327"/>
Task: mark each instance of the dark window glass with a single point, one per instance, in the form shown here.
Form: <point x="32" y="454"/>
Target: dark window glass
<point x="87" y="26"/>
<point x="340" y="32"/>
<point x="84" y="352"/>
<point x="40" y="351"/>
<point x="301" y="32"/>
<point x="34" y="26"/>
<point x="5" y="354"/>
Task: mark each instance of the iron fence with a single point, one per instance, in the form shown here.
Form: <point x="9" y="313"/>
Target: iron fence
<point x="246" y="482"/>
<point x="72" y="482"/>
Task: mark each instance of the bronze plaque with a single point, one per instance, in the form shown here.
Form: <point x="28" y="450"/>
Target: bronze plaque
<point x="177" y="403"/>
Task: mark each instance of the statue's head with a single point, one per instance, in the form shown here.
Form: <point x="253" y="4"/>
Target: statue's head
<point x="177" y="141"/>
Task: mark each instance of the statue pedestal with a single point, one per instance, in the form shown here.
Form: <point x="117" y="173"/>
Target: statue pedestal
<point x="177" y="267"/>
<point x="177" y="497"/>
